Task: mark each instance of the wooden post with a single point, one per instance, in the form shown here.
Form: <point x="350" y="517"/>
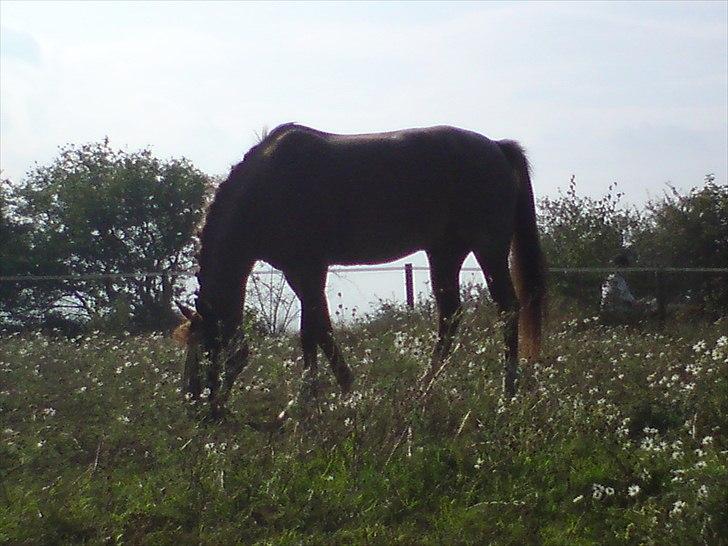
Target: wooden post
<point x="660" y="286"/>
<point x="409" y="286"/>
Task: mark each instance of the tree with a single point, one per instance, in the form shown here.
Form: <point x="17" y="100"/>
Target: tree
<point x="579" y="231"/>
<point x="14" y="253"/>
<point x="95" y="210"/>
<point x="689" y="231"/>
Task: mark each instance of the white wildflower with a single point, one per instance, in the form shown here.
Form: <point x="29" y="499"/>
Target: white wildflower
<point x="677" y="508"/>
<point x="598" y="491"/>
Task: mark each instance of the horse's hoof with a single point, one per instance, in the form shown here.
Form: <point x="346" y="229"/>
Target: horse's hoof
<point x="345" y="379"/>
<point x="217" y="413"/>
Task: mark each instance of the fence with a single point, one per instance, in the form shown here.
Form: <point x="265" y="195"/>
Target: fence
<point x="659" y="276"/>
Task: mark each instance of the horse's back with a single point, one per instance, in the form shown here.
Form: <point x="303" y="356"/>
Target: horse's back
<point x="375" y="197"/>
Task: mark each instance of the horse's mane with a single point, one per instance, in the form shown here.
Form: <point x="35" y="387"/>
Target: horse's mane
<point x="223" y="203"/>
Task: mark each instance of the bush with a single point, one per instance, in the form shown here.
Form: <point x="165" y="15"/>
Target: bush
<point x="96" y="210"/>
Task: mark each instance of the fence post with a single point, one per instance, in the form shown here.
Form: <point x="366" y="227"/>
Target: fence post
<point x="409" y="286"/>
<point x="660" y="289"/>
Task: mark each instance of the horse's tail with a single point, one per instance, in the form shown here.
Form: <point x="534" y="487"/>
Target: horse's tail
<point x="528" y="270"/>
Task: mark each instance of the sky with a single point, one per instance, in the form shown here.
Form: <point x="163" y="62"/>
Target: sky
<point x="633" y="93"/>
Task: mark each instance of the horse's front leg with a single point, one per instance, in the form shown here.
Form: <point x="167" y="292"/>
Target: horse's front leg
<point x="236" y="359"/>
<point x="191" y="380"/>
<point x="309" y="346"/>
<point x="309" y="283"/>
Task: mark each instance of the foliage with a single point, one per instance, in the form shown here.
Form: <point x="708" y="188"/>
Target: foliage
<point x="689" y="231"/>
<point x="95" y="210"/>
<point x="677" y="231"/>
<point x="580" y="231"/>
<point x="14" y="252"/>
<point x="618" y="436"/>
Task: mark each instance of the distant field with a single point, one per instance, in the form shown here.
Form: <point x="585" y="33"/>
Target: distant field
<point x="617" y="437"/>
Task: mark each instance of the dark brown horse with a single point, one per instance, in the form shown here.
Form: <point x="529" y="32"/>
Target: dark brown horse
<point x="302" y="200"/>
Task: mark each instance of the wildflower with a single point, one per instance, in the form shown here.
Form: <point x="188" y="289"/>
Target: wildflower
<point x="205" y="393"/>
<point x="677" y="508"/>
<point x="609" y="491"/>
<point x="598" y="491"/>
<point x="478" y="463"/>
<point x="633" y="490"/>
<point x="703" y="492"/>
<point x="49" y="412"/>
<point x="123" y="418"/>
<point x="707" y="440"/>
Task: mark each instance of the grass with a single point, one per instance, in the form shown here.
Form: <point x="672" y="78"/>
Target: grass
<point x="618" y="436"/>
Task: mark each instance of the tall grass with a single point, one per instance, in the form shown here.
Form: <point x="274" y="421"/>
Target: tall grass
<point x="617" y="436"/>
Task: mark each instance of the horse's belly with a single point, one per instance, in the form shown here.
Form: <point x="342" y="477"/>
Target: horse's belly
<point x="376" y="244"/>
<point x="379" y="256"/>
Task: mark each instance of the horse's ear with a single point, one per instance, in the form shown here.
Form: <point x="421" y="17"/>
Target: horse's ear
<point x="188" y="313"/>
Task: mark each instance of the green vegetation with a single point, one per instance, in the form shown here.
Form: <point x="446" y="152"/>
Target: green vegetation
<point x="95" y="210"/>
<point x="617" y="437"/>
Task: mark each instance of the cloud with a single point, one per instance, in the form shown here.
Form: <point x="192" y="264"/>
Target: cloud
<point x="19" y="46"/>
<point x="562" y="78"/>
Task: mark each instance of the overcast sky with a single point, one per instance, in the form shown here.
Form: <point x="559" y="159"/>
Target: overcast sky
<point x="635" y="93"/>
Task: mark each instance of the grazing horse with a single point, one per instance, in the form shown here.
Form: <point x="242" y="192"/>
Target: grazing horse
<point x="302" y="200"/>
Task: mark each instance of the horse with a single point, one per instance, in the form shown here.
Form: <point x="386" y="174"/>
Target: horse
<point x="302" y="200"/>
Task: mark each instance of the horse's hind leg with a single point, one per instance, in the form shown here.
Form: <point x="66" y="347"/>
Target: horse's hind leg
<point x="445" y="276"/>
<point x="316" y="329"/>
<point x="498" y="277"/>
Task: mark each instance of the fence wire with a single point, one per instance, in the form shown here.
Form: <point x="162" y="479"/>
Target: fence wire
<point x="347" y="270"/>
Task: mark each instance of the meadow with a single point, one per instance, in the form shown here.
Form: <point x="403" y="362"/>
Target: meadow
<point x="617" y="436"/>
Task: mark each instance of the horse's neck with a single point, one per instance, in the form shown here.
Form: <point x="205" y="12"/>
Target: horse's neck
<point x="223" y="293"/>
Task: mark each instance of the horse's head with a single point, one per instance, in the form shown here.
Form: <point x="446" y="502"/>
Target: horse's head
<point x="206" y="335"/>
<point x="200" y="334"/>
